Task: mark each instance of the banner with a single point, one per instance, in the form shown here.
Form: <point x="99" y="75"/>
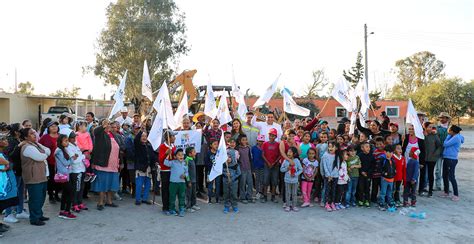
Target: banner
<point x="182" y="110"/>
<point x="291" y="107"/>
<point x="146" y="83"/>
<point x="412" y="118"/>
<point x="267" y="94"/>
<point x="189" y="138"/>
<point x="219" y="160"/>
<point x="119" y="96"/>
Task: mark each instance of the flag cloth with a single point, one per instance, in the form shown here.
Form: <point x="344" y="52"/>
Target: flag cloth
<point x="240" y="99"/>
<point x="362" y="92"/>
<point x="353" y="123"/>
<point x="182" y="110"/>
<point x="223" y="114"/>
<point x="146" y="83"/>
<point x="164" y="97"/>
<point x="156" y="132"/>
<point x="219" y="160"/>
<point x="412" y="118"/>
<point x="267" y="94"/>
<point x="119" y="96"/>
<point x="341" y="93"/>
<point x="291" y="107"/>
<point x="210" y="108"/>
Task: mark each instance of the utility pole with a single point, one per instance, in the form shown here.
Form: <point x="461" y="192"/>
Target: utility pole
<point x="16" y="82"/>
<point x="366" y="60"/>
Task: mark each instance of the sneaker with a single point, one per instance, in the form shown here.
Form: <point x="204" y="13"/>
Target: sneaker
<point x="381" y="207"/>
<point x="322" y="205"/>
<point x="360" y="203"/>
<point x="263" y="199"/>
<point x="117" y="197"/>
<point x="284" y="205"/>
<point x="311" y="205"/>
<point x="444" y="195"/>
<point x="338" y="206"/>
<point x="235" y="209"/>
<point x="82" y="206"/>
<point x="10" y="219"/>
<point x="413" y="203"/>
<point x="347" y="206"/>
<point x="398" y="204"/>
<point x="93" y="178"/>
<point x="430" y="194"/>
<point x="354" y="205"/>
<point x="405" y="204"/>
<point x="245" y="201"/>
<point x="455" y="198"/>
<point x="66" y="215"/>
<point x="23" y="215"/>
<point x="287" y="209"/>
<point x="258" y="196"/>
<point x="76" y="208"/>
<point x="190" y="210"/>
<point x="328" y="207"/>
<point x="295" y="209"/>
<point x="196" y="207"/>
<point x="304" y="205"/>
<point x="367" y="204"/>
<point x="341" y="206"/>
<point x="181" y="213"/>
<point x="38" y="223"/>
<point x="173" y="213"/>
<point x="333" y="207"/>
<point x="226" y="210"/>
<point x="100" y="207"/>
<point x="147" y="202"/>
<point x="87" y="178"/>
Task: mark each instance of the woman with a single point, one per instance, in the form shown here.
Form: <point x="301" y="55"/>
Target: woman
<point x="34" y="173"/>
<point x="451" y="145"/>
<point x="397" y="138"/>
<point x="8" y="188"/>
<point x="44" y="125"/>
<point x="105" y="158"/>
<point x="13" y="152"/>
<point x="373" y="130"/>
<point x="236" y="129"/>
<point x="412" y="141"/>
<point x="287" y="141"/>
<point x="49" y="140"/>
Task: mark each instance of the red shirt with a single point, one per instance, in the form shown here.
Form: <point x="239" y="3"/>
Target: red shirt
<point x="162" y="155"/>
<point x="51" y="143"/>
<point x="271" y="151"/>
<point x="401" y="168"/>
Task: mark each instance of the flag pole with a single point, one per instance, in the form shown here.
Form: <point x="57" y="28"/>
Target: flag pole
<point x="326" y="103"/>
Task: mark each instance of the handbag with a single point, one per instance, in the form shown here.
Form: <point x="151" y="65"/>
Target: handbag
<point x="61" y="178"/>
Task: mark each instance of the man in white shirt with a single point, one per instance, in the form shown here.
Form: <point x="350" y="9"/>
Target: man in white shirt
<point x="265" y="127"/>
<point x="124" y="117"/>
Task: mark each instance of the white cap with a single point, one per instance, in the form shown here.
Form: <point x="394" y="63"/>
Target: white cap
<point x="124" y="110"/>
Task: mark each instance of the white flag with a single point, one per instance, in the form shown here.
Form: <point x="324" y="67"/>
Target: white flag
<point x="341" y="93"/>
<point x="182" y="110"/>
<point x="210" y="108"/>
<point x="353" y="123"/>
<point x="164" y="97"/>
<point x="267" y="94"/>
<point x="362" y="92"/>
<point x="119" y="96"/>
<point x="412" y="118"/>
<point x="223" y="114"/>
<point x="156" y="132"/>
<point x="240" y="99"/>
<point x="291" y="107"/>
<point x="219" y="160"/>
<point x="146" y="83"/>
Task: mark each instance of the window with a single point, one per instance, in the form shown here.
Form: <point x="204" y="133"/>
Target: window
<point x="392" y="111"/>
<point x="341" y="112"/>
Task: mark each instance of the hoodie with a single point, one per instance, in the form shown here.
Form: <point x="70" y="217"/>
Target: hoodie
<point x="452" y="145"/>
<point x="326" y="164"/>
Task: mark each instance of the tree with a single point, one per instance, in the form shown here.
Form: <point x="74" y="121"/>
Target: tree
<point x="66" y="93"/>
<point x="449" y="95"/>
<point x="374" y="97"/>
<point x="25" y="88"/>
<point x="136" y="31"/>
<point x="415" y="72"/>
<point x="318" y="84"/>
<point x="356" y="72"/>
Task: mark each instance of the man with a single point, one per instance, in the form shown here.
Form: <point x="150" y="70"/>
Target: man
<point x="136" y="120"/>
<point x="249" y="130"/>
<point x="385" y="120"/>
<point x="124" y="117"/>
<point x="265" y="127"/>
<point x="442" y="131"/>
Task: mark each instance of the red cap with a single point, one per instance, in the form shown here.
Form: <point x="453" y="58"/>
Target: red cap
<point x="273" y="131"/>
<point x="415" y="151"/>
<point x="394" y="124"/>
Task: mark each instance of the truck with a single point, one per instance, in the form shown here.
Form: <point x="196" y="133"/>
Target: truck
<point x="55" y="111"/>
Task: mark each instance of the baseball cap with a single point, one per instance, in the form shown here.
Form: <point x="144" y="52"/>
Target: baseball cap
<point x="169" y="133"/>
<point x="415" y="152"/>
<point x="273" y="131"/>
<point x="393" y="124"/>
<point x="261" y="137"/>
<point x="323" y="122"/>
<point x="344" y="120"/>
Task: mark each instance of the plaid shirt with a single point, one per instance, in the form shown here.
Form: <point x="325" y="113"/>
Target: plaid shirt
<point x="211" y="134"/>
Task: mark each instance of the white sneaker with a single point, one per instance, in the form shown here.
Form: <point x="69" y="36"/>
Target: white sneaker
<point x="10" y="219"/>
<point x="196" y="207"/>
<point x="23" y="215"/>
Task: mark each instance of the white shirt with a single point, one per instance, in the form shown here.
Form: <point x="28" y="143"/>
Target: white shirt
<point x="264" y="128"/>
<point x="121" y="120"/>
<point x="65" y="130"/>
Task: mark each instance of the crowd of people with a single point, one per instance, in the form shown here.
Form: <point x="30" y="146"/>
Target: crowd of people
<point x="301" y="163"/>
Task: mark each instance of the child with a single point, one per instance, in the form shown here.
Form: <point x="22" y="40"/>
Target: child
<point x="191" y="205"/>
<point x="376" y="167"/>
<point x="63" y="162"/>
<point x="322" y="148"/>
<point x="258" y="165"/>
<point x="246" y="179"/>
<point x="340" y="141"/>
<point x="367" y="160"/>
<point x="353" y="166"/>
<point x="84" y="142"/>
<point x="330" y="165"/>
<point x="388" y="140"/>
<point x="78" y="169"/>
<point x="413" y="171"/>
<point x="388" y="175"/>
<point x="305" y="145"/>
<point x="210" y="160"/>
<point x="310" y="170"/>
<point x="332" y="135"/>
<point x="271" y="156"/>
<point x="401" y="170"/>
<point x="231" y="173"/>
<point x="292" y="169"/>
<point x="342" y="181"/>
<point x="143" y="163"/>
<point x="179" y="173"/>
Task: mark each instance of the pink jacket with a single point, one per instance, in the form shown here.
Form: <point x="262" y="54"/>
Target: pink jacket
<point x="84" y="141"/>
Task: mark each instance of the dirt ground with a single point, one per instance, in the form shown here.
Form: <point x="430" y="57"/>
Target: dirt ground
<point x="446" y="222"/>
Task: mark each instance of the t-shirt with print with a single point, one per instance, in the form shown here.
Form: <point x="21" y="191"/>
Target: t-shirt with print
<point x="271" y="151"/>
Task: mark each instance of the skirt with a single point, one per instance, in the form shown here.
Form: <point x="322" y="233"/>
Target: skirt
<point x="6" y="203"/>
<point x="105" y="181"/>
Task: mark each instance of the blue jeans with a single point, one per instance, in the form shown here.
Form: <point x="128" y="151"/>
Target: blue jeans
<point x="21" y="191"/>
<point x="449" y="168"/>
<point x="142" y="181"/>
<point x="351" y="190"/>
<point x="210" y="188"/>
<point x="36" y="195"/>
<point x="386" y="189"/>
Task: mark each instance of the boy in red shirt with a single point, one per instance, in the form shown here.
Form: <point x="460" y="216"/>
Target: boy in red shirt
<point x="271" y="156"/>
<point x="401" y="172"/>
<point x="166" y="151"/>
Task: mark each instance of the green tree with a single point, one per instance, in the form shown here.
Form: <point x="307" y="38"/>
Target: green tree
<point x="66" y="93"/>
<point x="415" y="72"/>
<point x="151" y="30"/>
<point x="25" y="88"/>
<point x="374" y="97"/>
<point x="356" y="72"/>
<point x="319" y="83"/>
<point x="449" y="95"/>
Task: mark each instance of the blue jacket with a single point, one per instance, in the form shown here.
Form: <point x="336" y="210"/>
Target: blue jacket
<point x="178" y="168"/>
<point x="413" y="170"/>
<point x="62" y="164"/>
<point x="285" y="168"/>
<point x="257" y="159"/>
<point x="452" y="145"/>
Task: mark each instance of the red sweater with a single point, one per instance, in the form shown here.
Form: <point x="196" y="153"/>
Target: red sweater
<point x="51" y="143"/>
<point x="162" y="155"/>
<point x="401" y="168"/>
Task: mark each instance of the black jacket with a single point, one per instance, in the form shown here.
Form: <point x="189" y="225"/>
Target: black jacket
<point x="367" y="160"/>
<point x="388" y="168"/>
<point x="368" y="132"/>
<point x="144" y="155"/>
<point x="102" y="147"/>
